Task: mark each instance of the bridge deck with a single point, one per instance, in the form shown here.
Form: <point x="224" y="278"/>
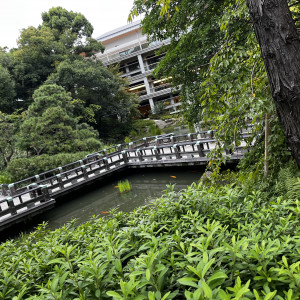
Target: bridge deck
<point x="33" y="195"/>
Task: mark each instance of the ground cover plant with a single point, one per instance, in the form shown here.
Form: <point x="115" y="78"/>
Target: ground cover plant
<point x="210" y="241"/>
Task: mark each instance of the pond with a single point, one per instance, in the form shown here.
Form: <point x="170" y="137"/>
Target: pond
<point x="99" y="199"/>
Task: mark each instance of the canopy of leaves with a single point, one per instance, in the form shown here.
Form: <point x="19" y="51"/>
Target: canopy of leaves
<point x="214" y="55"/>
<point x="7" y="90"/>
<point x="50" y="126"/>
<point x="96" y="86"/>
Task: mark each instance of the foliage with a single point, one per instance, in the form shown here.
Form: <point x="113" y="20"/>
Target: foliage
<point x="217" y="63"/>
<point x="62" y="35"/>
<point x="21" y="168"/>
<point x="206" y="242"/>
<point x="93" y="84"/>
<point x="7" y="90"/>
<point x="9" y="127"/>
<point x="50" y="126"/>
<point x="124" y="186"/>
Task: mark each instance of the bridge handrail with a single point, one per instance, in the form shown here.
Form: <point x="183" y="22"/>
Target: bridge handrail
<point x="144" y="142"/>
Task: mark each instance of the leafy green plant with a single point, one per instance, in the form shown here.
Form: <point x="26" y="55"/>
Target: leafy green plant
<point x="124" y="186"/>
<point x="211" y="241"/>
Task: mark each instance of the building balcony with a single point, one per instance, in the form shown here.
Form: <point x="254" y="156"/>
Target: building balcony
<point x="112" y="57"/>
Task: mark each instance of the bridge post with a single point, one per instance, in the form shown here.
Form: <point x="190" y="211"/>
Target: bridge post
<point x="11" y="205"/>
<point x="60" y="169"/>
<point x="119" y="147"/>
<point x="59" y="180"/>
<point x="45" y="192"/>
<point x="190" y="136"/>
<point x="33" y="194"/>
<point x="145" y="142"/>
<point x="83" y="169"/>
<point x="176" y="150"/>
<point x="157" y="141"/>
<point x="106" y="163"/>
<point x="37" y="178"/>
<point x="139" y="154"/>
<point x="130" y="145"/>
<point x="125" y="157"/>
<point x="172" y="139"/>
<point x="12" y="189"/>
<point x="156" y="152"/>
<point x="200" y="148"/>
<point x="210" y="133"/>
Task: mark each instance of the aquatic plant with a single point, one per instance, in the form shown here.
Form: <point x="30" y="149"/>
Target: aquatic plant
<point x="124" y="186"/>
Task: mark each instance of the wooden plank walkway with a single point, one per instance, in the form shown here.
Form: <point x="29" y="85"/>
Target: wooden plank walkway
<point x="36" y="194"/>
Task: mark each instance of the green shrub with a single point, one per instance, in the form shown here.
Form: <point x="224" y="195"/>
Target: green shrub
<point x="206" y="242"/>
<point x="21" y="168"/>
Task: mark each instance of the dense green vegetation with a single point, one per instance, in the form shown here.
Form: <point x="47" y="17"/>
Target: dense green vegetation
<point x="55" y="97"/>
<point x="231" y="238"/>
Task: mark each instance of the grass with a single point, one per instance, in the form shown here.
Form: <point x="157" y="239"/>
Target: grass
<point x="124" y="186"/>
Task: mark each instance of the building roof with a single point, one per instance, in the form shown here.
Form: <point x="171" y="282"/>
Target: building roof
<point x="119" y="31"/>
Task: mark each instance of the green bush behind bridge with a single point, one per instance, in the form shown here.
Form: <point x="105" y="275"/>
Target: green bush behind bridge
<point x="21" y="168"/>
<point x="207" y="242"/>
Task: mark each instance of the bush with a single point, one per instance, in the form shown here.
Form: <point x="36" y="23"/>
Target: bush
<point x="22" y="168"/>
<point x="206" y="242"/>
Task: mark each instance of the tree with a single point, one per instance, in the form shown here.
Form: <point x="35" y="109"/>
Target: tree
<point x="96" y="86"/>
<point x="9" y="127"/>
<point x="50" y="126"/>
<point x="62" y="35"/>
<point x="280" y="44"/>
<point x="7" y="91"/>
<point x="229" y="86"/>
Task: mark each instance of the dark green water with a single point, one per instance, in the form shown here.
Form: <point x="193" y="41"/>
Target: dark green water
<point x="147" y="184"/>
<point x="97" y="200"/>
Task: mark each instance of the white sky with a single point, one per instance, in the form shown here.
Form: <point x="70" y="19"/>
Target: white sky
<point x="104" y="15"/>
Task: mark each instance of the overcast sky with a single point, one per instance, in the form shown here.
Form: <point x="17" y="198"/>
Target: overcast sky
<point x="104" y="15"/>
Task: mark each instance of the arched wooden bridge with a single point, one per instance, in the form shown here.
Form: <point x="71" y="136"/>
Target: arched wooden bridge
<point x="36" y="194"/>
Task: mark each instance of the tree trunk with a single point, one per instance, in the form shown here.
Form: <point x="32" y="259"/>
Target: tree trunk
<point x="279" y="42"/>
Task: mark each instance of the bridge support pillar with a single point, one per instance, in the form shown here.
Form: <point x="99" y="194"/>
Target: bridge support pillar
<point x="190" y="136"/>
<point x="60" y="182"/>
<point x="200" y="148"/>
<point x="139" y="154"/>
<point x="12" y="189"/>
<point x="37" y="178"/>
<point x="106" y="163"/>
<point x="145" y="142"/>
<point x="11" y="206"/>
<point x="176" y="150"/>
<point x="125" y="157"/>
<point x="156" y="153"/>
<point x="45" y="192"/>
<point x="84" y="172"/>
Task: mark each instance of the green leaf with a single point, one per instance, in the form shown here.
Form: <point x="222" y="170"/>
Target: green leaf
<point x="148" y="274"/>
<point x="114" y="295"/>
<point x="188" y="281"/>
<point x="207" y="290"/>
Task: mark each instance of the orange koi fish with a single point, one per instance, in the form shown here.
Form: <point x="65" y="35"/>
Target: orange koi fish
<point x="173" y="176"/>
<point x="116" y="186"/>
<point x="105" y="212"/>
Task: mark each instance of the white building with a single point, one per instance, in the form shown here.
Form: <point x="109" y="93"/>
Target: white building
<point x="128" y="47"/>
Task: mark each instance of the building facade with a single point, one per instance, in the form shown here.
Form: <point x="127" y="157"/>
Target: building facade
<point x="128" y="47"/>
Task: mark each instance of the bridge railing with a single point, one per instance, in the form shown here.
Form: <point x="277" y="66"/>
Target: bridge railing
<point x="25" y="200"/>
<point x="105" y="155"/>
